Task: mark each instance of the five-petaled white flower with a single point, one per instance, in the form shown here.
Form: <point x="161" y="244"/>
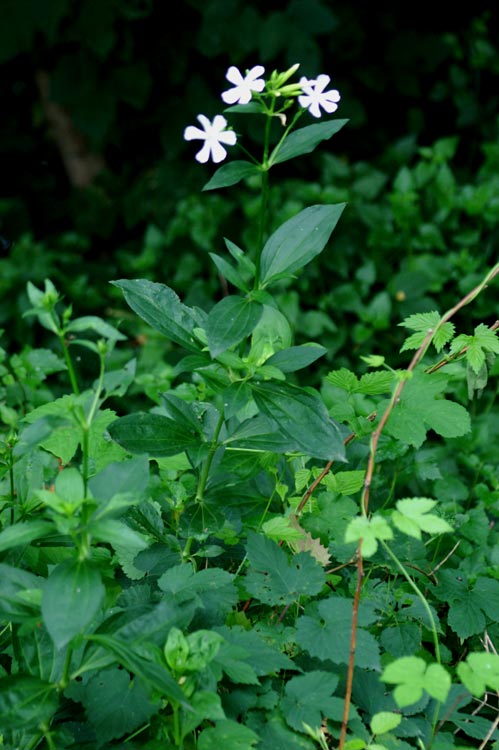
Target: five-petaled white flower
<point x="213" y="134"/>
<point x="244" y="86"/>
<point x="314" y="97"/>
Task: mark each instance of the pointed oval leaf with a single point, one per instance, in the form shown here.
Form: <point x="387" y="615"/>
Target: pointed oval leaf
<point x="303" y="417"/>
<point x="153" y="434"/>
<point x="231" y="174"/>
<point x="296" y="357"/>
<point x="24" y="533"/>
<point x="26" y="702"/>
<point x="298" y="241"/>
<point x="230" y="321"/>
<point x="71" y="598"/>
<point x="304" y="140"/>
<point x="159" y="306"/>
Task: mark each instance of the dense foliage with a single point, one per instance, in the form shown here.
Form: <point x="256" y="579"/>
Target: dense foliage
<point x="248" y="489"/>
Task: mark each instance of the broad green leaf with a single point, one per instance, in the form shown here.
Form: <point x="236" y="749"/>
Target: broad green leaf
<point x="413" y="516"/>
<point x="302" y="416"/>
<point x="212" y="590"/>
<point x="479" y="672"/>
<point x="71" y="598"/>
<point x="298" y="241"/>
<point x="469" y="605"/>
<point x="271" y="334"/>
<point x="280" y="529"/>
<point x="261" y="434"/>
<point x="296" y="357"/>
<point x="121" y="478"/>
<point x="182" y="412"/>
<point x="412" y="675"/>
<point x="275" y="578"/>
<point x="26" y="702"/>
<point x="421" y="408"/>
<point x="307" y="699"/>
<point x="204" y="705"/>
<point x="152" y="674"/>
<point x="328" y="636"/>
<point x="304" y="140"/>
<point x="369" y="530"/>
<point x="14" y="584"/>
<point x="264" y="657"/>
<point x="24" y="532"/>
<point x="115" y="704"/>
<point x="227" y="734"/>
<point x="230" y="321"/>
<point x="385" y="721"/>
<point x="231" y="173"/>
<point x="117" y="533"/>
<point x="160" y="306"/>
<point x="153" y="434"/>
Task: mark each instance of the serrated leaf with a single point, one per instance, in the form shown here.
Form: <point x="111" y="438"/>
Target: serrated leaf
<point x="161" y="307"/>
<point x="153" y="434"/>
<point x="479" y="672"/>
<point x="232" y="173"/>
<point x="307" y="699"/>
<point x="304" y="140"/>
<point x="419" y="410"/>
<point x="307" y="543"/>
<point x="71" y="598"/>
<point x="298" y="241"/>
<point x="274" y="578"/>
<point x="335" y="617"/>
<point x="413" y="516"/>
<point x="279" y="529"/>
<point x="230" y="321"/>
<point x="344" y="379"/>
<point x="423" y="323"/>
<point x="376" y="383"/>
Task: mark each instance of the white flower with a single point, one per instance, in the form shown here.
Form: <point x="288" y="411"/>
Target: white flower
<point x="314" y="97"/>
<point x="213" y="135"/>
<point x="241" y="93"/>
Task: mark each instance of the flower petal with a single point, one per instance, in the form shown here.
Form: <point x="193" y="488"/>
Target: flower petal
<point x="234" y="75"/>
<point x="191" y="133"/>
<point x="203" y="155"/>
<point x="218" y="153"/>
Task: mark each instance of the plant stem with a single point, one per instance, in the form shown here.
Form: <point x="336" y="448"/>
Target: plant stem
<point x="203" y="477"/>
<point x="69" y="363"/>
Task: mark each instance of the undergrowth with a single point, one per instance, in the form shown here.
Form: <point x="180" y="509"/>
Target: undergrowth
<point x="254" y="557"/>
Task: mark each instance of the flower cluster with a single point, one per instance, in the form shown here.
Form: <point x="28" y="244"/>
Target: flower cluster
<point x="312" y="96"/>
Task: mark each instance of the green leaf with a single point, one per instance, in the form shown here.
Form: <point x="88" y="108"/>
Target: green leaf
<point x="14" y="585"/>
<point x="212" y="590"/>
<point x="412" y="675"/>
<point x="420" y="409"/>
<point x="302" y="416"/>
<point x="230" y="273"/>
<point x="160" y="306"/>
<point x="335" y="617"/>
<point x="99" y="326"/>
<point x="413" y="516"/>
<point x="227" y="734"/>
<point x="298" y="241"/>
<point x="479" y="672"/>
<point x="26" y="702"/>
<point x="307" y="699"/>
<point x="304" y="140"/>
<point x="152" y="674"/>
<point x="280" y="529"/>
<point x="422" y="323"/>
<point x="71" y="598"/>
<point x="296" y="357"/>
<point x="231" y="174"/>
<point x="230" y="321"/>
<point x="274" y="578"/>
<point x="115" y="704"/>
<point x="369" y="530"/>
<point x="385" y="721"/>
<point x="24" y="532"/>
<point x="469" y="606"/>
<point x="153" y="434"/>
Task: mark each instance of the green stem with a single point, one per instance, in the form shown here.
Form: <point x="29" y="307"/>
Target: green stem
<point x="65" y="679"/>
<point x="203" y="477"/>
<point x="431" y="619"/>
<point x="87" y="424"/>
<point x="69" y="363"/>
<point x="262" y="225"/>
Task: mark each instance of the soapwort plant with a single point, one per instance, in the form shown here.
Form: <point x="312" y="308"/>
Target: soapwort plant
<point x="249" y="562"/>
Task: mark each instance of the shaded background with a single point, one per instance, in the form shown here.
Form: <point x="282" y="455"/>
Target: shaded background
<point x="97" y="182"/>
